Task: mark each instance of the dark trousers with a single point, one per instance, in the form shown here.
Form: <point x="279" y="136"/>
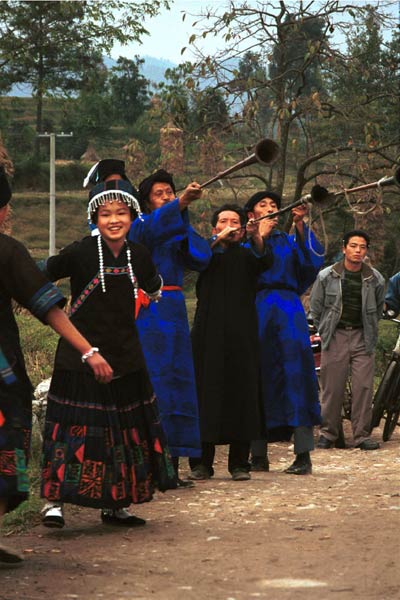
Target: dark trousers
<point x="303" y="442"/>
<point x="238" y="457"/>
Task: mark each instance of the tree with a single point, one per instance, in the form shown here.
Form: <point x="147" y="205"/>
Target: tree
<point x="129" y="90"/>
<point x="174" y="94"/>
<point x="210" y="110"/>
<point x="295" y="47"/>
<point x="50" y="45"/>
<point x="90" y="113"/>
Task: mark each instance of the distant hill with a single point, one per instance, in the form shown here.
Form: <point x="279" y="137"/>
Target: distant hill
<point x="152" y="69"/>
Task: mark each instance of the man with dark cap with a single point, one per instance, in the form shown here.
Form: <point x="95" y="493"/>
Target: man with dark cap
<point x="21" y="279"/>
<point x="225" y="349"/>
<point x="289" y="385"/>
<point x="163" y="328"/>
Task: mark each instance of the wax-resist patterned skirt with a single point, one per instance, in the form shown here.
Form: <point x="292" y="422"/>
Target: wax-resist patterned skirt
<point x="104" y="445"/>
<point x="15" y="436"/>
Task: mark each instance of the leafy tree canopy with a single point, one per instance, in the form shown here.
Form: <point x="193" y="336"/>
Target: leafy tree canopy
<point x="51" y="45"/>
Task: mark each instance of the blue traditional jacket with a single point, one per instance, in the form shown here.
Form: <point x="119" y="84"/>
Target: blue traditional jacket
<point x="163" y="327"/>
<point x="289" y="385"/>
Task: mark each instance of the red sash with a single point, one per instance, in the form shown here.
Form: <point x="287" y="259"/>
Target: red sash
<point x="143" y="299"/>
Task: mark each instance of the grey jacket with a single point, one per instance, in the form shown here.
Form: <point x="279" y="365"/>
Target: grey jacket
<point x="326" y="302"/>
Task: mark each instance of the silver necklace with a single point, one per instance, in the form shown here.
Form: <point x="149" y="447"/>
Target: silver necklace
<point x="132" y="276"/>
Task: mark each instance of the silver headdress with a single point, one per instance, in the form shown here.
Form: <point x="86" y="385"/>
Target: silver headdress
<point x="116" y="190"/>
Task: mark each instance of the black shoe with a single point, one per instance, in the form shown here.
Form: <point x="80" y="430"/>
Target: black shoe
<point x="259" y="463"/>
<point x="240" y="475"/>
<point x="368" y="445"/>
<point x="9" y="556"/>
<point x="324" y="443"/>
<point x="53" y="515"/>
<point x="184" y="483"/>
<point x="199" y="473"/>
<point x="120" y="517"/>
<point x="301" y="466"/>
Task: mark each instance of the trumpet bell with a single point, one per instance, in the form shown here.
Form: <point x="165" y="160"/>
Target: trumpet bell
<point x="320" y="196"/>
<point x="266" y="151"/>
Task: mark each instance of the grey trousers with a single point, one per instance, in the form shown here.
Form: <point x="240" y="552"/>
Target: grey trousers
<point x="303" y="442"/>
<point x="346" y="356"/>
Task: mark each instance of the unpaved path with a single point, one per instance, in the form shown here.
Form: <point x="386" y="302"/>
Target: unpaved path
<point x="334" y="535"/>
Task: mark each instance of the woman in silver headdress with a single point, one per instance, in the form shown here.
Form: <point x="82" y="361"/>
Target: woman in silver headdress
<point x="104" y="446"/>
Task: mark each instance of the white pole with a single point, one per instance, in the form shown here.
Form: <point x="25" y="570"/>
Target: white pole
<point x="52" y="206"/>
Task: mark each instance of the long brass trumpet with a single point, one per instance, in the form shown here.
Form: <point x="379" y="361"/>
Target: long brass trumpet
<point x="266" y="152"/>
<point x="384" y="182"/>
<point x="320" y="196"/>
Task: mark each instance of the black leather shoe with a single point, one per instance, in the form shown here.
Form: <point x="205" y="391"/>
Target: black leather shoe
<point x="299" y="469"/>
<point x="121" y="518"/>
<point x="324" y="443"/>
<point x="301" y="466"/>
<point x="184" y="483"/>
<point x="368" y="445"/>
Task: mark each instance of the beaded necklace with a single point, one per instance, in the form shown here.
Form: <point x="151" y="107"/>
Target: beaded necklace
<point x="130" y="270"/>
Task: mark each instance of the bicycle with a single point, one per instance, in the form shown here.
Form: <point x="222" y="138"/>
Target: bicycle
<point x="386" y="402"/>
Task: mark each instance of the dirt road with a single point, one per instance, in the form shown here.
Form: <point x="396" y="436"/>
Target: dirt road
<point x="334" y="535"/>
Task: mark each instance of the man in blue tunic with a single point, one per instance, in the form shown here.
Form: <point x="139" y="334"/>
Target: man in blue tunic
<point x="163" y="327"/>
<point x="289" y="384"/>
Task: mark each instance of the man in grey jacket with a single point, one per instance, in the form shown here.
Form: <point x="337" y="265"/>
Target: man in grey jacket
<point x="346" y="304"/>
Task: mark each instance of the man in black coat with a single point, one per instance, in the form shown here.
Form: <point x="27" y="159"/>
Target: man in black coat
<point x="225" y="343"/>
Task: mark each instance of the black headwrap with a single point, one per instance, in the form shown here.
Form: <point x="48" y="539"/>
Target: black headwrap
<point x="258" y="196"/>
<point x="160" y="176"/>
<point x="5" y="190"/>
<point x="101" y="170"/>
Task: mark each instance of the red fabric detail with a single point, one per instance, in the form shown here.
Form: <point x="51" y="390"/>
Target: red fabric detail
<point x="61" y="472"/>
<point x="80" y="453"/>
<point x="54" y="434"/>
<point x="141" y="300"/>
<point x="157" y="446"/>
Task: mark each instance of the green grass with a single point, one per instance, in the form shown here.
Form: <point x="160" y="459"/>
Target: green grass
<point x="30" y="220"/>
<point x="39" y="344"/>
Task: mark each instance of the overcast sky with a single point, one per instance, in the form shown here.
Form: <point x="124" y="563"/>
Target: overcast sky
<point x="168" y="34"/>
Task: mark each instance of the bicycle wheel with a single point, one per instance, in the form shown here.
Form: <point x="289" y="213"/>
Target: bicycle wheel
<point x="392" y="419"/>
<point x="383" y="393"/>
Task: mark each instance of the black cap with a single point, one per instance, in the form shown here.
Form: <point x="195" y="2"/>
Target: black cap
<point x="5" y="189"/>
<point x="101" y="170"/>
<point x="258" y="196"/>
<point x="160" y="176"/>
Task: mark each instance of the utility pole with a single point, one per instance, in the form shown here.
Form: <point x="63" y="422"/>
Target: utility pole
<point x="52" y="205"/>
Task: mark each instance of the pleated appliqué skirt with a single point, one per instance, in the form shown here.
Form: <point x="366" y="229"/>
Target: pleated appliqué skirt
<point x="15" y="438"/>
<point x="104" y="446"/>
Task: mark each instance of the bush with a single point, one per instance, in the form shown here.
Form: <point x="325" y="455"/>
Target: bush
<point x="388" y="333"/>
<point x="31" y="174"/>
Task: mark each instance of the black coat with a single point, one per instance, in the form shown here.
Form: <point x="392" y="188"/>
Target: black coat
<point x="225" y="347"/>
<point x="106" y="320"/>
